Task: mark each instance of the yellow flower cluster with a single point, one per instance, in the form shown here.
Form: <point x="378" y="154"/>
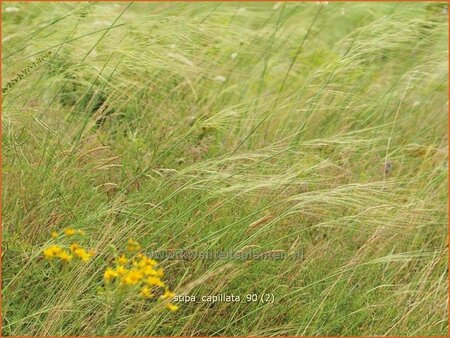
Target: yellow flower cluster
<point x="55" y="251"/>
<point x="66" y="255"/>
<point x="69" y="232"/>
<point x="141" y="272"/>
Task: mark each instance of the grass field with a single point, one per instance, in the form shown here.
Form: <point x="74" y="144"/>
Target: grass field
<point x="312" y="133"/>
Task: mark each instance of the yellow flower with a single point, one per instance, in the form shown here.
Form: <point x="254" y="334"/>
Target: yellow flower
<point x="64" y="256"/>
<point x="132" y="242"/>
<point x="155" y="281"/>
<point x="149" y="271"/>
<point x="83" y="254"/>
<point x="147" y="266"/>
<point x="172" y="307"/>
<point x="74" y="246"/>
<point x="149" y="261"/>
<point x="132" y="245"/>
<point x="121" y="270"/>
<point x="52" y="251"/>
<point x="122" y="260"/>
<point x="54" y="234"/>
<point x="146" y="292"/>
<point x="86" y="257"/>
<point x="159" y="273"/>
<point x="110" y="274"/>
<point x="139" y="264"/>
<point x="69" y="232"/>
<point x="132" y="278"/>
<point x="167" y="294"/>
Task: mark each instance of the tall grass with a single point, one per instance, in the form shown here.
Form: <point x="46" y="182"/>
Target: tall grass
<point x="229" y="127"/>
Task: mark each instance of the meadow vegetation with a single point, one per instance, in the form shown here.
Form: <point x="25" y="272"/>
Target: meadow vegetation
<point x="318" y="128"/>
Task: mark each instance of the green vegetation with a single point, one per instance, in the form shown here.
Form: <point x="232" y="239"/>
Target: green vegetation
<point x="287" y="128"/>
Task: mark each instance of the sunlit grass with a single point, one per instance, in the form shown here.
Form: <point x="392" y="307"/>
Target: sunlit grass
<point x="318" y="129"/>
